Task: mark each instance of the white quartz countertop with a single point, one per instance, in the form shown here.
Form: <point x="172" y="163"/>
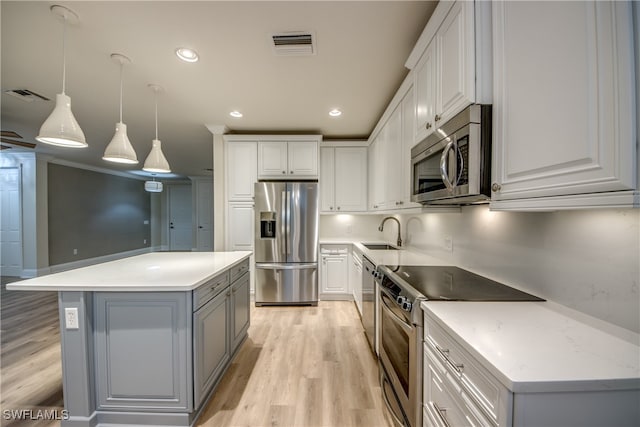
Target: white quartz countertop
<point x="156" y="271"/>
<point x="533" y="347"/>
<point x="401" y="256"/>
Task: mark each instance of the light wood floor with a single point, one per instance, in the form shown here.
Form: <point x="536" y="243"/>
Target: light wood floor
<point x="300" y="366"/>
<point x="30" y="367"/>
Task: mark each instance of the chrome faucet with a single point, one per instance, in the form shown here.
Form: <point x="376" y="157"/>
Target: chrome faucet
<point x="396" y="220"/>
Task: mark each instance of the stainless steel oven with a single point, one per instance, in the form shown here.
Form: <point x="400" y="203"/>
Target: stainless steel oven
<point x="401" y="324"/>
<point x="453" y="164"/>
<point x="400" y="348"/>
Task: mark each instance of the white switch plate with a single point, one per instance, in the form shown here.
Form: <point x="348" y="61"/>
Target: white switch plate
<point x="71" y="318"/>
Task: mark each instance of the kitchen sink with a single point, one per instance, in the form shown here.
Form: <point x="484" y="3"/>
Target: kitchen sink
<point x="379" y="247"/>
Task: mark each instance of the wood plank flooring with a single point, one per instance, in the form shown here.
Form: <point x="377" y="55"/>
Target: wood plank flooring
<point x="300" y="366"/>
<point x="30" y="366"/>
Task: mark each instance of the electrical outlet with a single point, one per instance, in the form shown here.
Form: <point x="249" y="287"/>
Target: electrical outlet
<point x="144" y="241"/>
<point x="75" y="252"/>
<point x="71" y="318"/>
<point x="448" y="243"/>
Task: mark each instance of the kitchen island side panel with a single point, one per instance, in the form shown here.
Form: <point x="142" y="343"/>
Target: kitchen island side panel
<point x="77" y="359"/>
<point x="143" y="351"/>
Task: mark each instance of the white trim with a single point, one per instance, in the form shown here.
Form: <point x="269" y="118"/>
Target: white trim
<point x="615" y="199"/>
<point x="217" y="129"/>
<point x="259" y="138"/>
<point x="344" y="143"/>
<point x="96" y="260"/>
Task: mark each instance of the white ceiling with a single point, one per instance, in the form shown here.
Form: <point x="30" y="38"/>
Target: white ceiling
<point x="361" y="50"/>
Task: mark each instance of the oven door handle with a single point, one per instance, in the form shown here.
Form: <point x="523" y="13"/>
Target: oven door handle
<point x="408" y="327"/>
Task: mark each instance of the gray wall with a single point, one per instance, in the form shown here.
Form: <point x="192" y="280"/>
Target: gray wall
<point x="97" y="214"/>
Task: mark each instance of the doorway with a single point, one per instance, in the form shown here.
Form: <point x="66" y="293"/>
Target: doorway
<point x="180" y="226"/>
<point x="11" y="221"/>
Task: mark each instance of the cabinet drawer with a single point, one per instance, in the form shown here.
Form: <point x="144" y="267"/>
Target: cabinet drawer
<point x="474" y="379"/>
<point x="444" y="400"/>
<point x="238" y="270"/>
<point x="210" y="289"/>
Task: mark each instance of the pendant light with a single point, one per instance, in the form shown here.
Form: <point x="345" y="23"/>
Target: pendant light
<point x="119" y="149"/>
<point x="156" y="162"/>
<point x="61" y="127"/>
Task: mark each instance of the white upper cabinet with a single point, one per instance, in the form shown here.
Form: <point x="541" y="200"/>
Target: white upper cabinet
<point x="288" y="159"/>
<point x="241" y="169"/>
<point x="564" y="105"/>
<point x="343" y="179"/>
<point x="445" y="75"/>
<point x="425" y="93"/>
<point x="408" y="125"/>
<point x="273" y="159"/>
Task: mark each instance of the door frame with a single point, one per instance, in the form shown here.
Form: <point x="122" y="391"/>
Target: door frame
<point x="18" y="168"/>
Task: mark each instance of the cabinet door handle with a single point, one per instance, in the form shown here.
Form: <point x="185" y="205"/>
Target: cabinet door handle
<point x="428" y="125"/>
<point x="291" y="172"/>
<point x="445" y="354"/>
<point x="437" y="118"/>
<point x="495" y="187"/>
<point x="338" y="207"/>
<point x="331" y="207"/>
<point x="284" y="172"/>
<point x="442" y="414"/>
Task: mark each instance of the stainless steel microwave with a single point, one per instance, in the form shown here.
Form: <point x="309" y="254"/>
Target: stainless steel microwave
<point x="452" y="165"/>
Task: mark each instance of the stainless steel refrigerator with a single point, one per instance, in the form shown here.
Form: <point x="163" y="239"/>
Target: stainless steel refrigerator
<point x="286" y="243"/>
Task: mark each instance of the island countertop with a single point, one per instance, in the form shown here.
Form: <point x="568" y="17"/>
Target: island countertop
<point x="152" y="272"/>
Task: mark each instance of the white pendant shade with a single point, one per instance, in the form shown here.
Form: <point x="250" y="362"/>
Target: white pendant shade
<point x="156" y="162"/>
<point x="119" y="149"/>
<point x="61" y="127"/>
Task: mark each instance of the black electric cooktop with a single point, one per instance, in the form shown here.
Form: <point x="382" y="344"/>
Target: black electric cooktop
<point x="453" y="284"/>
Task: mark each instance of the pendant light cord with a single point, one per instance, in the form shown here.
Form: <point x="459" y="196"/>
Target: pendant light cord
<point x="121" y="72"/>
<point x="64" y="52"/>
<point x="156" y="98"/>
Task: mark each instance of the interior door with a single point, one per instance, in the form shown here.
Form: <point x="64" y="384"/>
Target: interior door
<point x="10" y="222"/>
<point x="204" y="232"/>
<point x="180" y="226"/>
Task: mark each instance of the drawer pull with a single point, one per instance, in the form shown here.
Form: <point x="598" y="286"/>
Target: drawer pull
<point x="445" y="354"/>
<point x="442" y="414"/>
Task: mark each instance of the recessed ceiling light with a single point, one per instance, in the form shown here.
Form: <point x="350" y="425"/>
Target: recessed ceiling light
<point x="186" y="54"/>
<point x="335" y="112"/>
<point x="236" y="114"/>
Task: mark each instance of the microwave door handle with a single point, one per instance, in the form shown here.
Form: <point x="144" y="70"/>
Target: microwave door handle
<point x="461" y="157"/>
<point x="443" y="165"/>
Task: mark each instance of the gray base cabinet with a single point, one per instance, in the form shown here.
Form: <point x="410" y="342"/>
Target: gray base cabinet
<point x="151" y="358"/>
<point x="240" y="304"/>
<point x="210" y="344"/>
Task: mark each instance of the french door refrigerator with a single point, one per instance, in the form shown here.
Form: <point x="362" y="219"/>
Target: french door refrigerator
<point x="286" y="243"/>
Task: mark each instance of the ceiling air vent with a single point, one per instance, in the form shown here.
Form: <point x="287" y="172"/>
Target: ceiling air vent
<point x="26" y="95"/>
<point x="294" y="43"/>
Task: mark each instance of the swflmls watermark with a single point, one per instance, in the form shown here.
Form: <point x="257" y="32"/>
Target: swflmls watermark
<point x="35" y="414"/>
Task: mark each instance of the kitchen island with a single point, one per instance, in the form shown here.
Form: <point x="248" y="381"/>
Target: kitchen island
<point x="146" y="339"/>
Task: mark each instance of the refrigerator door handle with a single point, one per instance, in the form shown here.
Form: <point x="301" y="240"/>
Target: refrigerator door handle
<point x="288" y="236"/>
<point x="283" y="225"/>
<point x="304" y="266"/>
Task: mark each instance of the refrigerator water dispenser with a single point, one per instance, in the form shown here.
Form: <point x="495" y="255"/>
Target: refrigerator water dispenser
<point x="267" y="225"/>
